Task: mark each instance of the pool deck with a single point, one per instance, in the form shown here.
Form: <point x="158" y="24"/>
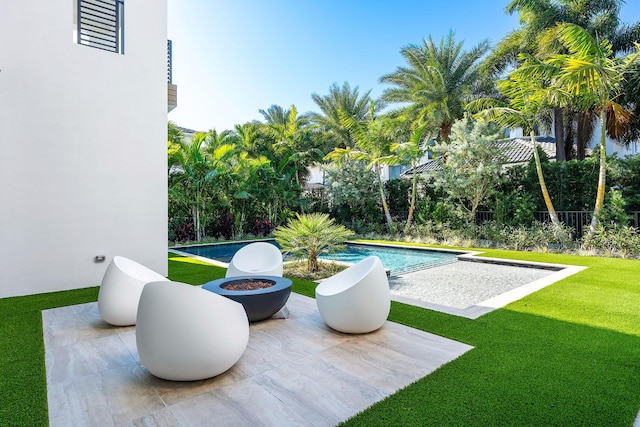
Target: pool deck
<point x="295" y="372"/>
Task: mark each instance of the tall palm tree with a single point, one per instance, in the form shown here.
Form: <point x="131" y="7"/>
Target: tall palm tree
<point x="526" y="100"/>
<point x="373" y="147"/>
<point x="275" y="114"/>
<point x="213" y="140"/>
<point x="599" y="17"/>
<point x="293" y="141"/>
<point x="436" y="81"/>
<point x="247" y="135"/>
<point x="591" y="73"/>
<point x="342" y="101"/>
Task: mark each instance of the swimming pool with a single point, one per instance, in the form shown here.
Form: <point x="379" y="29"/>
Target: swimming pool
<point x="397" y="260"/>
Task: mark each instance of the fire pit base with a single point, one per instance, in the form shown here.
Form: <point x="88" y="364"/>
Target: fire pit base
<point x="261" y="303"/>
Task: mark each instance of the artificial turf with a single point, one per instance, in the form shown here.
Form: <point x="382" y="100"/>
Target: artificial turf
<point x="568" y="354"/>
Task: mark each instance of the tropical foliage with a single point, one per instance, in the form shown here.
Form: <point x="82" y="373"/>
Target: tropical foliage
<point x="372" y="147"/>
<point x="436" y="81"/>
<point x="593" y="76"/>
<point x="310" y="236"/>
<point x="573" y="126"/>
<point x="526" y="100"/>
<point x="568" y="63"/>
<point x="471" y="172"/>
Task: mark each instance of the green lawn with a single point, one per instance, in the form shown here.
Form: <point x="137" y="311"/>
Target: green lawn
<point x="566" y="355"/>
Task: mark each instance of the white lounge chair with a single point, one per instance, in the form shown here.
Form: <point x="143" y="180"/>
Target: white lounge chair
<point x="185" y="333"/>
<point x="121" y="288"/>
<point x="356" y="300"/>
<point x="256" y="259"/>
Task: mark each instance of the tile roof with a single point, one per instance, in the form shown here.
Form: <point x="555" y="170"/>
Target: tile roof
<point x="187" y="130"/>
<point x="515" y="151"/>
<point x="519" y="150"/>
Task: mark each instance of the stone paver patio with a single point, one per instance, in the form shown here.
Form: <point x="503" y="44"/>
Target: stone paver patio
<point x="295" y="371"/>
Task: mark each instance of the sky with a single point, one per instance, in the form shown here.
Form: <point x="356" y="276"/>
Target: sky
<point x="232" y="58"/>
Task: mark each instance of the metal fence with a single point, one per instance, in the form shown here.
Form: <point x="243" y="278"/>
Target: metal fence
<point x="578" y="220"/>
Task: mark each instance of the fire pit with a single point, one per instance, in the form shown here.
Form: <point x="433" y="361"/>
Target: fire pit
<point x="260" y="296"/>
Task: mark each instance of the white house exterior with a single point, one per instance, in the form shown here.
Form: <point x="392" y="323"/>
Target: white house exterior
<point x="613" y="147"/>
<point x="83" y="133"/>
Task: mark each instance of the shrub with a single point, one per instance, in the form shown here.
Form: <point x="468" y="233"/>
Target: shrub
<point x="618" y="241"/>
<point x="261" y="227"/>
<point x="183" y="232"/>
<point x="398" y="194"/>
<point x="311" y="235"/>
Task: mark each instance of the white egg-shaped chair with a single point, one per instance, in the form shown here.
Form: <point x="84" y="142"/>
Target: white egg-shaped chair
<point x="356" y="300"/>
<point x="120" y="290"/>
<point x="185" y="333"/>
<point x="256" y="259"/>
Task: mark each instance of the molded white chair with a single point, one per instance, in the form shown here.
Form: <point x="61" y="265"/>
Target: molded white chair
<point x="121" y="288"/>
<point x="356" y="300"/>
<point x="185" y="333"/>
<point x="256" y="259"/>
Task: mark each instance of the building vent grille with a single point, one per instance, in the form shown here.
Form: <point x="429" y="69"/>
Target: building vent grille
<point x="101" y="24"/>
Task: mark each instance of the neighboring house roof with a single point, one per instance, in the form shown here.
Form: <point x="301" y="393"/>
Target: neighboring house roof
<point x="429" y="165"/>
<point x="519" y="150"/>
<point x="515" y="151"/>
<point x="187" y="130"/>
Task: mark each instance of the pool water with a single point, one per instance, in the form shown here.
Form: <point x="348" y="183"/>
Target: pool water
<point x="398" y="260"/>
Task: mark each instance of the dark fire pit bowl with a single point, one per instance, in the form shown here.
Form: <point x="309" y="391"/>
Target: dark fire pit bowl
<point x="260" y="304"/>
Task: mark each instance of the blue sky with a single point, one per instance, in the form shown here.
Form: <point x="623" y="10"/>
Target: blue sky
<point x="232" y="58"/>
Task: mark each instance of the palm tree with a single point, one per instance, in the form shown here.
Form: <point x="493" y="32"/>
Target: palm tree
<point x="342" y="102"/>
<point x="592" y="74"/>
<point x="436" y="81"/>
<point x="175" y="139"/>
<point x="275" y="114"/>
<point x="411" y="152"/>
<point x="526" y="100"/>
<point x="247" y="135"/>
<point x="189" y="176"/>
<point x="246" y="176"/>
<point x="293" y="140"/>
<point x="213" y="140"/>
<point x="372" y="146"/>
<point x="597" y="17"/>
<point x="312" y="235"/>
<point x="292" y="147"/>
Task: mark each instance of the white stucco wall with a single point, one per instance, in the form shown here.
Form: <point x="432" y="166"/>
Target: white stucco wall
<point x="83" y="138"/>
<point x="316" y="174"/>
<point x="613" y="147"/>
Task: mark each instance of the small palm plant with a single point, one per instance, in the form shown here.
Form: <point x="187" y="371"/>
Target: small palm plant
<point x="311" y="235"/>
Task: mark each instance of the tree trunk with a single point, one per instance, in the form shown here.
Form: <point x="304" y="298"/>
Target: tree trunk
<point x="585" y="132"/>
<point x="545" y="192"/>
<point x="602" y="175"/>
<point x="312" y="264"/>
<point x="414" y="179"/>
<point x="196" y="222"/>
<point x="558" y="126"/>
<point x="445" y="130"/>
<point x="385" y="206"/>
<point x="569" y="135"/>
